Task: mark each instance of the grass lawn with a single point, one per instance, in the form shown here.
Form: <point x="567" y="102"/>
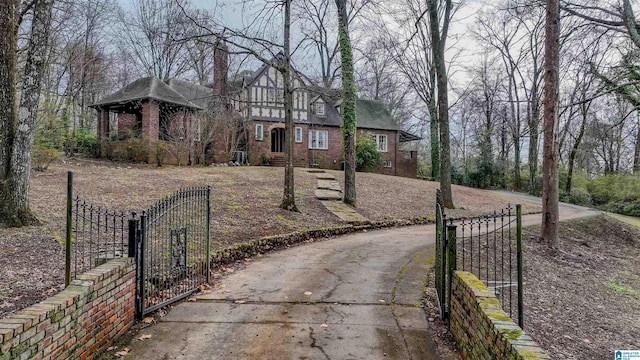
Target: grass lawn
<point x="244" y="202"/>
<point x="629" y="220"/>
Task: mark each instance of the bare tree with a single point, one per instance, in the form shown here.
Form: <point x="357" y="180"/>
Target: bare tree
<point x="348" y="104"/>
<point x="153" y="37"/>
<point x="409" y="41"/>
<point x="438" y="45"/>
<point x="550" y="211"/>
<point x="319" y="23"/>
<point x="18" y="128"/>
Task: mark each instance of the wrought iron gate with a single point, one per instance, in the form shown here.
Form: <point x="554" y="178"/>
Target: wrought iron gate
<point x="488" y="246"/>
<point x="172" y="248"/>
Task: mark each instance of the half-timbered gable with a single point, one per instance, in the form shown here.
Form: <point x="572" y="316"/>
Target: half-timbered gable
<point x="264" y="93"/>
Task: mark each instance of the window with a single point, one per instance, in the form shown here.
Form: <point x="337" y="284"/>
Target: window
<point x="298" y="134"/>
<point x="318" y="139"/>
<point x="315" y="162"/>
<point x="387" y="163"/>
<point x="271" y="95"/>
<point x="259" y="132"/>
<point x="281" y="95"/>
<point x="381" y="141"/>
<point x="319" y="108"/>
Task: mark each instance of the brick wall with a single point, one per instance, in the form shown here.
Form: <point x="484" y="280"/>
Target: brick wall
<point x="79" y="322"/>
<point x="126" y="123"/>
<point x="402" y="163"/>
<point x="481" y="328"/>
<point x="407" y="163"/>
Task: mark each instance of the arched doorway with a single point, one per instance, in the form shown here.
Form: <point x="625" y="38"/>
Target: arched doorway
<point x="277" y="140"/>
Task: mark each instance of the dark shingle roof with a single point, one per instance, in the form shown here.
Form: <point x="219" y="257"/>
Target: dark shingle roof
<point x="370" y="114"/>
<point x="147" y="88"/>
<point x="200" y="96"/>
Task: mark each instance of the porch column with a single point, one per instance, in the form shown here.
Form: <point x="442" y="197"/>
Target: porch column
<point x="151" y="126"/>
<point x="103" y="128"/>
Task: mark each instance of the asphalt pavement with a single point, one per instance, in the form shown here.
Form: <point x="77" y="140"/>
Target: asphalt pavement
<point x="353" y="297"/>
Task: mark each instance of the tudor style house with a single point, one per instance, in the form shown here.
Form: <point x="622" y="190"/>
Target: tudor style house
<point x="317" y="119"/>
<point x="149" y="108"/>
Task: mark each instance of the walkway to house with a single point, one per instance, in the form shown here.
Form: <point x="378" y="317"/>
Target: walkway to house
<point x="330" y="195"/>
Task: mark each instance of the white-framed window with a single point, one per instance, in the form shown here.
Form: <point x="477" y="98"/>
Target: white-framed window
<point x="387" y="163"/>
<point x="381" y="141"/>
<point x="271" y="95"/>
<point x="259" y="132"/>
<point x="298" y="134"/>
<point x="319" y="108"/>
<point x="318" y="139"/>
<point x="314" y="162"/>
<point x="280" y="93"/>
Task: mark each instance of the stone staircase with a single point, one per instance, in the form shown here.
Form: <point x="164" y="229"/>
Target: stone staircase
<point x="329" y="193"/>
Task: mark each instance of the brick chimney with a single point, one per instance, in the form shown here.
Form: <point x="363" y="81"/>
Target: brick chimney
<point x="220" y="68"/>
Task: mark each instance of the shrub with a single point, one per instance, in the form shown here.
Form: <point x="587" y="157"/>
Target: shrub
<point x="42" y="156"/>
<point x="84" y="142"/>
<point x="367" y="155"/>
<point x="614" y="189"/>
<point x="130" y="150"/>
<point x="624" y="208"/>
<point x="162" y="150"/>
<point x="578" y="196"/>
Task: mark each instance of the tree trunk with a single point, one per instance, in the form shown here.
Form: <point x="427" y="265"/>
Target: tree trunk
<point x="35" y="66"/>
<point x="438" y="41"/>
<point x="348" y="104"/>
<point x="434" y="138"/>
<point x="550" y="212"/>
<point x="7" y="96"/>
<point x="289" y="197"/>
<point x="636" y="156"/>
<point x="574" y="150"/>
<point x="534" y="124"/>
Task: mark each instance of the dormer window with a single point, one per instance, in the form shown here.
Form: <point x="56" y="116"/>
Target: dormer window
<point x="338" y="106"/>
<point x="319" y="108"/>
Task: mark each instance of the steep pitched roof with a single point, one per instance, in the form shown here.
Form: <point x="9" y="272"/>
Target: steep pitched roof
<point x="250" y="79"/>
<point x="200" y="96"/>
<point x="370" y="114"/>
<point x="147" y="88"/>
<point x="374" y="115"/>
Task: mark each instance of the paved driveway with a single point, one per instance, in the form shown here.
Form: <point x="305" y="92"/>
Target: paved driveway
<point x="353" y="297"/>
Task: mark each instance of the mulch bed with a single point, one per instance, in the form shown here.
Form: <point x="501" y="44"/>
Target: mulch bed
<point x="584" y="302"/>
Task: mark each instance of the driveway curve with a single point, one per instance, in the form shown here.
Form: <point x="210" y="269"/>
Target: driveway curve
<point x="353" y="297"/>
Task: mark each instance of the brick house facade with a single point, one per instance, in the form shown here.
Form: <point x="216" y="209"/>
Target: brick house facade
<point x="317" y="120"/>
<point x="254" y="107"/>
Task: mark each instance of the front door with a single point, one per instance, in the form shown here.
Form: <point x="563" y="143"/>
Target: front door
<point x="277" y="140"/>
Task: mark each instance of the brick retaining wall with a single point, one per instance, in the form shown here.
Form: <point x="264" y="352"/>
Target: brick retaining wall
<point x="481" y="328"/>
<point x="78" y="322"/>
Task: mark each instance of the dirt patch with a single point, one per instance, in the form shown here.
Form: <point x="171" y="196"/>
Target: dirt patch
<point x="584" y="302"/>
<point x="244" y="200"/>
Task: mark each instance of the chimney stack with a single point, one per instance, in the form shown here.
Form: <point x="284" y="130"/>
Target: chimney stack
<point x="220" y="68"/>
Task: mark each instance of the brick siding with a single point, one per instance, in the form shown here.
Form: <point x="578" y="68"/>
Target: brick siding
<point x="402" y="163"/>
<point x="481" y="328"/>
<point x="79" y="322"/>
